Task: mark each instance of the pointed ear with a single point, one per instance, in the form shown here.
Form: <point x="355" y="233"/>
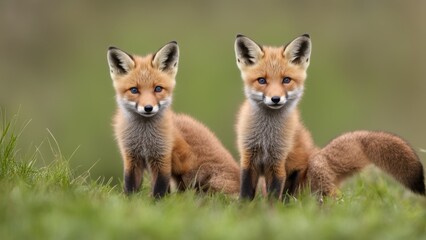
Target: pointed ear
<point x="119" y="61"/>
<point x="247" y="51"/>
<point x="166" y="59"/>
<point x="298" y="51"/>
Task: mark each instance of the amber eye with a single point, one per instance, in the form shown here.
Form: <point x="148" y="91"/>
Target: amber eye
<point x="286" y="80"/>
<point x="261" y="81"/>
<point x="158" y="89"/>
<point x="134" y="90"/>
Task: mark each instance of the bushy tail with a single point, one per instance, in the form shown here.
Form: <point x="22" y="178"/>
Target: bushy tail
<point x="351" y="152"/>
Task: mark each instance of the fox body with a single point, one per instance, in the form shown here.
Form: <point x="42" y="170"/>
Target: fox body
<point x="273" y="141"/>
<point x="151" y="136"/>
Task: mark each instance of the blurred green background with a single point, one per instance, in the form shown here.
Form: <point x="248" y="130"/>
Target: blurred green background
<point x="368" y="66"/>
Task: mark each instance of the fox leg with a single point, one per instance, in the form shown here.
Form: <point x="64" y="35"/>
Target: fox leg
<point x="275" y="177"/>
<point x="292" y="183"/>
<point x="161" y="176"/>
<point x="133" y="172"/>
<point x="183" y="161"/>
<point x="249" y="179"/>
<point x="180" y="184"/>
<point x="249" y="176"/>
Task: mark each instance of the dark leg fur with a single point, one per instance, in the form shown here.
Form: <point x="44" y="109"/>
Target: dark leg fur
<point x="180" y="183"/>
<point x="275" y="187"/>
<point x="291" y="183"/>
<point x="131" y="183"/>
<point x="161" y="185"/>
<point x="249" y="179"/>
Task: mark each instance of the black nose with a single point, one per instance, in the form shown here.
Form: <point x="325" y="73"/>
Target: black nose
<point x="148" y="108"/>
<point x="275" y="99"/>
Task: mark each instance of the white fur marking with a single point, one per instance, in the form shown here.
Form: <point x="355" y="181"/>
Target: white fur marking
<point x="166" y="102"/>
<point x="125" y="102"/>
<point x="296" y="93"/>
<point x="253" y="94"/>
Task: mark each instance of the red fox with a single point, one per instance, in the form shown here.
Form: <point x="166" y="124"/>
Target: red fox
<point x="150" y="136"/>
<point x="273" y="141"/>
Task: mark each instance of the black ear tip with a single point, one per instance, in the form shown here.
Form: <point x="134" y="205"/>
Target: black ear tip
<point x="306" y="35"/>
<point x="173" y="42"/>
<point x="240" y="35"/>
<point x="112" y="48"/>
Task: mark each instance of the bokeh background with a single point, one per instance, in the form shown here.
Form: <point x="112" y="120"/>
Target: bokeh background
<point x="368" y="68"/>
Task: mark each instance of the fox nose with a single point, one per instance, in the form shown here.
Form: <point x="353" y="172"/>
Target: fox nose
<point x="148" y="108"/>
<point x="275" y="99"/>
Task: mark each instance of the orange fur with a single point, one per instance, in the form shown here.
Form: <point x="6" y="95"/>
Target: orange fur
<point x="273" y="142"/>
<point x="150" y="135"/>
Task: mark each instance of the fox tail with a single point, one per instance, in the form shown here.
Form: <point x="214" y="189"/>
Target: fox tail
<point x="351" y="152"/>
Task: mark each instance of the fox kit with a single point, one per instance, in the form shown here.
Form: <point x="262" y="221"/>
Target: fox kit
<point x="150" y="136"/>
<point x="273" y="141"/>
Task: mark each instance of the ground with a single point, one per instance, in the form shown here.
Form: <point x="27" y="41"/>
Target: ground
<point x="52" y="202"/>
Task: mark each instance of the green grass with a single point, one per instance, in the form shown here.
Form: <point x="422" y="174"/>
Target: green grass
<point x="51" y="202"/>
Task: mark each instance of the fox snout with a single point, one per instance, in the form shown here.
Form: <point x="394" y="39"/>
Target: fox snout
<point x="275" y="102"/>
<point x="148" y="110"/>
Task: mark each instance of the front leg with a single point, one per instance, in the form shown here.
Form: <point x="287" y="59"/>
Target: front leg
<point x="275" y="178"/>
<point x="249" y="178"/>
<point x="133" y="173"/>
<point x="161" y="175"/>
<point x="292" y="183"/>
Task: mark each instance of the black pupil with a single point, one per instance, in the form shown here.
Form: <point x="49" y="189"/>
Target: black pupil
<point x="262" y="80"/>
<point x="158" y="89"/>
<point x="134" y="90"/>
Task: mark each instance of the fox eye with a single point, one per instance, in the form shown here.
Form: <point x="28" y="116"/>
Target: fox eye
<point x="158" y="89"/>
<point x="286" y="80"/>
<point x="134" y="90"/>
<point x="261" y="80"/>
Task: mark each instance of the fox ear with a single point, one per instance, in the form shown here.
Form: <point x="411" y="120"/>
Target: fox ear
<point x="119" y="61"/>
<point x="298" y="51"/>
<point x="166" y="59"/>
<point x="247" y="51"/>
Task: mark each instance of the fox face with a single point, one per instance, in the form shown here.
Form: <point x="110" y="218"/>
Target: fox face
<point x="273" y="76"/>
<point x="144" y="85"/>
